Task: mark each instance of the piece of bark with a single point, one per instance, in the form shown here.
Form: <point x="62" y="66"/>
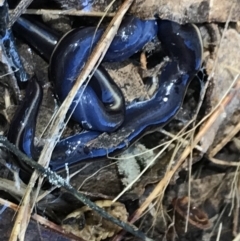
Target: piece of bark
<point x="228" y="62"/>
<point x="197" y="11"/>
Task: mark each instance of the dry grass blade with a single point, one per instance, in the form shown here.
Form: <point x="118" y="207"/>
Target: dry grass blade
<point x="237" y="238"/>
<point x="219" y="232"/>
<point x="236" y="218"/>
<point x="23" y="216"/>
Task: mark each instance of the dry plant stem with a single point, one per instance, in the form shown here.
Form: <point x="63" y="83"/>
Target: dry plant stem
<point x="97" y="195"/>
<point x="223" y="163"/>
<point x="219" y="232"/>
<point x="8" y="204"/>
<point x="7" y="98"/>
<point x="185" y="142"/>
<point x="53" y="226"/>
<point x="10" y="187"/>
<point x="224" y="141"/>
<point x="235" y="219"/>
<point x="59" y="181"/>
<point x="25" y="210"/>
<point x="18" y="11"/>
<point x="58" y="123"/>
<point x="71" y="12"/>
<point x="237" y="238"/>
<point x="234" y="193"/>
<point x="41" y="220"/>
<point x="45" y="193"/>
<point x="217" y="223"/>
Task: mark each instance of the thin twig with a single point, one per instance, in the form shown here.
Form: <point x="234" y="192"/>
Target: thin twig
<point x="224" y="141"/>
<point x="223" y="163"/>
<point x="71" y="12"/>
<point x="18" y="11"/>
<point x="59" y="181"/>
<point x="45" y="193"/>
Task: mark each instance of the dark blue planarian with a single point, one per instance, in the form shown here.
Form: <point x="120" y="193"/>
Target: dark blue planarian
<point x="76" y="47"/>
<point x="22" y="128"/>
<point x="183" y="45"/>
<point x="103" y="99"/>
